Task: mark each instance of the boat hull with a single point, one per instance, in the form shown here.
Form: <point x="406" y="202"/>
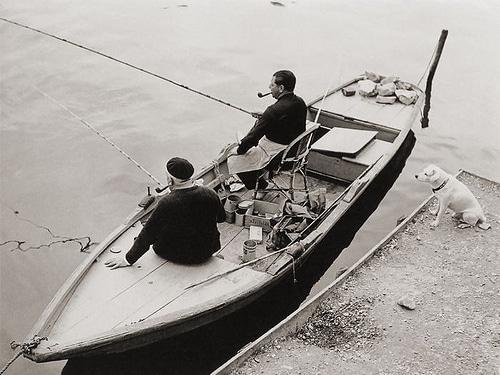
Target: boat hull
<point x="108" y="322"/>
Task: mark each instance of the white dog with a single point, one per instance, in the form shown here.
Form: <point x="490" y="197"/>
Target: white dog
<point x="453" y="194"/>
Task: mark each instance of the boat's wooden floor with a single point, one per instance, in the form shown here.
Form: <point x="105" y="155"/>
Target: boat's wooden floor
<point x="394" y="115"/>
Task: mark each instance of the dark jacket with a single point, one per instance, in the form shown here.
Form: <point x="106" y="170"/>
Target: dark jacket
<point x="183" y="227"/>
<point x="281" y="122"/>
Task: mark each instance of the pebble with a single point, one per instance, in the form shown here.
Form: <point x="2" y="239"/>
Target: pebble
<point x="407" y="302"/>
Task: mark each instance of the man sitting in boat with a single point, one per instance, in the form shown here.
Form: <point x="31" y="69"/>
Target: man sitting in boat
<point x="279" y="125"/>
<point x="183" y="227"/>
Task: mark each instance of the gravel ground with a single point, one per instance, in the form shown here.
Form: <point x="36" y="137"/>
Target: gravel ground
<point x="426" y="303"/>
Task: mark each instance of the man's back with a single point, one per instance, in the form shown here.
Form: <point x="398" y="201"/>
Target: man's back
<point x="183" y="227"/>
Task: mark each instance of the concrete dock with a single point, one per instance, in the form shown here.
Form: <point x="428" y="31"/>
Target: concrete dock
<point x="423" y="301"/>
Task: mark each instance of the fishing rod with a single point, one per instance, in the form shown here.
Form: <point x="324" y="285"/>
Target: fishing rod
<point x="128" y="64"/>
<point x="99" y="134"/>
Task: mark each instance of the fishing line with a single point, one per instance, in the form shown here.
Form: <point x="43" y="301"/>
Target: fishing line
<point x="327" y="90"/>
<point x="129" y="65"/>
<point x="98" y="133"/>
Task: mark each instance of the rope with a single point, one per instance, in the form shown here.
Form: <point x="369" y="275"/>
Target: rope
<point x="127" y="64"/>
<point x="7" y="365"/>
<point x="98" y="133"/>
<point x="25" y="349"/>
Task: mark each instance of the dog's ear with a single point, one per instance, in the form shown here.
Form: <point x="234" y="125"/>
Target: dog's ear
<point x="430" y="172"/>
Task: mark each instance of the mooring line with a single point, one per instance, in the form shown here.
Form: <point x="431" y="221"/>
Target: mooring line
<point x="127" y="64"/>
<point x="98" y="133"/>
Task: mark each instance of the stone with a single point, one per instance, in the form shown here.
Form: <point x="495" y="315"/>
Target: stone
<point x="407" y="302"/>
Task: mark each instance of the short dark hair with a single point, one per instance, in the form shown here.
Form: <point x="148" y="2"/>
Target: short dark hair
<point x="285" y="78"/>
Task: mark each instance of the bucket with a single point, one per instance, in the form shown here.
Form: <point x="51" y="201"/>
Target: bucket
<point x="239" y="218"/>
<point x="232" y="203"/>
<point x="249" y="247"/>
<point x="230" y="207"/>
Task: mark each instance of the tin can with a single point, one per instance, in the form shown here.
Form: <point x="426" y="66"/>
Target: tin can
<point x="249" y="247"/>
<point x="232" y="202"/>
<point x="239" y="218"/>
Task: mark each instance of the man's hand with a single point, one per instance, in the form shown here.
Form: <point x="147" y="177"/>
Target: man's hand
<point x="116" y="263"/>
<point x="229" y="150"/>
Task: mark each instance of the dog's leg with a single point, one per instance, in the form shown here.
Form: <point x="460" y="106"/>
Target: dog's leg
<point x="468" y="220"/>
<point x="434" y="211"/>
<point x="441" y="210"/>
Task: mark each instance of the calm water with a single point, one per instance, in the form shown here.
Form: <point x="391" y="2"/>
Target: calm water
<point x="58" y="178"/>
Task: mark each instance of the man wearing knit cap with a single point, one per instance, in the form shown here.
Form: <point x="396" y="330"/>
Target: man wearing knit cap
<point x="183" y="226"/>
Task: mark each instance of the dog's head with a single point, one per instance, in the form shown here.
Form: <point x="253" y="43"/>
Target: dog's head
<point x="431" y="174"/>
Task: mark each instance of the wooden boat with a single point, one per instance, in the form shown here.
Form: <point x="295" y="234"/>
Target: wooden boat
<point x="99" y="311"/>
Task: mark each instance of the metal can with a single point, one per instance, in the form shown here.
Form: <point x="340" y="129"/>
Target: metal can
<point x="249" y="247"/>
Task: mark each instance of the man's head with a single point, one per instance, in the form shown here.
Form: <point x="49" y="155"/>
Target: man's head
<point x="283" y="81"/>
<point x="179" y="169"/>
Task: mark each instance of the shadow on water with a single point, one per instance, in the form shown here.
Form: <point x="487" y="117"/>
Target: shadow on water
<point x="204" y="349"/>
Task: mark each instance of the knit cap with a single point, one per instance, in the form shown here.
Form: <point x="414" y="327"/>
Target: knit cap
<point x="180" y="168"/>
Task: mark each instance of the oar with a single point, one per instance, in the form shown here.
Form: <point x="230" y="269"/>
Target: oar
<point x="243" y="265"/>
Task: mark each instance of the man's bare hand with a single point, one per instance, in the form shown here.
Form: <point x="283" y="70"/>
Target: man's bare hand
<point x="229" y="150"/>
<point x="116" y="263"/>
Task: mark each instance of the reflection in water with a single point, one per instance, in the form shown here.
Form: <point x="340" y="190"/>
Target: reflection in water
<point x="204" y="349"/>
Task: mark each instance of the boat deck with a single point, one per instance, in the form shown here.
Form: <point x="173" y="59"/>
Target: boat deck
<point x="394" y="115"/>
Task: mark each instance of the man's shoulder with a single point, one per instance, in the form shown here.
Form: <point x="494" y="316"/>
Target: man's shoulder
<point x="201" y="189"/>
<point x="181" y="194"/>
<point x="291" y="98"/>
